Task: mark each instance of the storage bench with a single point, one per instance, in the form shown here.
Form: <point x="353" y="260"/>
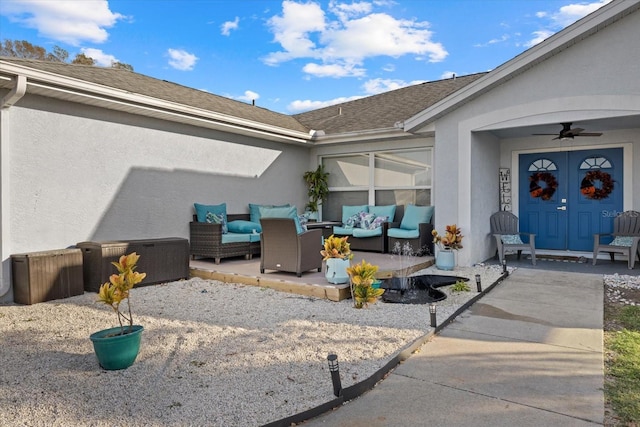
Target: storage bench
<point x="164" y="260"/>
<point x="45" y="276"/>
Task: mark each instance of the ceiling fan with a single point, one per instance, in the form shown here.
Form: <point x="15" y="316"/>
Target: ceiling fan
<point x="568" y="133"/>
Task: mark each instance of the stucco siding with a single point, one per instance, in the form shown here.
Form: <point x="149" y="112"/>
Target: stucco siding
<point x="80" y="173"/>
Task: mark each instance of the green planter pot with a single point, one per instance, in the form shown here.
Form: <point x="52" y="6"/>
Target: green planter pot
<point x="117" y="351"/>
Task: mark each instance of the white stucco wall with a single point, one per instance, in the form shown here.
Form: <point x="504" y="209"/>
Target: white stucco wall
<point x="80" y="173"/>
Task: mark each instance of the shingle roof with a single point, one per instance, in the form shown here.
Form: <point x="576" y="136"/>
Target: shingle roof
<point x="148" y="86"/>
<point x="382" y="111"/>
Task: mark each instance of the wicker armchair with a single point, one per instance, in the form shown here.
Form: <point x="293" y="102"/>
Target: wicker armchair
<point x="205" y="241"/>
<point x="283" y="249"/>
<point x="626" y="234"/>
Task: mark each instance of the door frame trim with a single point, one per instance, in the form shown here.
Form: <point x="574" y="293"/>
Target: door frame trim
<point x="627" y="173"/>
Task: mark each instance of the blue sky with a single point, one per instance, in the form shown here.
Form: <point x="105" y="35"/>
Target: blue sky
<point x="293" y="56"/>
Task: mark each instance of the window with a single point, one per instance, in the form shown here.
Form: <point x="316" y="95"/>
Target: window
<point x="382" y="178"/>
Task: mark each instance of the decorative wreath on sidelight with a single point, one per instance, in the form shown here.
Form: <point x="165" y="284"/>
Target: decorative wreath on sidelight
<point x="588" y="186"/>
<point x="550" y="185"/>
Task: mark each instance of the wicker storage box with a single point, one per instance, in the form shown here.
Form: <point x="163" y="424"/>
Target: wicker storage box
<point x="164" y="260"/>
<point x="46" y="276"/>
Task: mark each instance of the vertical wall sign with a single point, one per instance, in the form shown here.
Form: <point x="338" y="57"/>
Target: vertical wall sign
<point x="505" y="189"/>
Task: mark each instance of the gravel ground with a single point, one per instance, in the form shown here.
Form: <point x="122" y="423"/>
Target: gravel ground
<point x="212" y="353"/>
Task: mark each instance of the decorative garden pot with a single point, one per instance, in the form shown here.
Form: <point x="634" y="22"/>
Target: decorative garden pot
<point x="337" y="270"/>
<point x="117" y="351"/>
<point x="446" y="260"/>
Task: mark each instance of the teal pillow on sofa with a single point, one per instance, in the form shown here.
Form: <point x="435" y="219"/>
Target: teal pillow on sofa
<point x="389" y="211"/>
<point x="282" y="212"/>
<point x="254" y="211"/>
<point x="202" y="210"/>
<point x="242" y="226"/>
<point x="415" y="215"/>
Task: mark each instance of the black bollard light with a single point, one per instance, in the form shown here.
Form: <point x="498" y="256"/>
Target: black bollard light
<point x="504" y="265"/>
<point x="332" y="359"/>
<point x="432" y="313"/>
<point x="478" y="283"/>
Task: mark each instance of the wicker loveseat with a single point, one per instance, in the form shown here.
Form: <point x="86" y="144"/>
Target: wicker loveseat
<point x="208" y="239"/>
<point x="365" y="237"/>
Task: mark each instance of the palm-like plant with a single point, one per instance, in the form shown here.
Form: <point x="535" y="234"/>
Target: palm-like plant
<point x="118" y="287"/>
<point x="362" y="277"/>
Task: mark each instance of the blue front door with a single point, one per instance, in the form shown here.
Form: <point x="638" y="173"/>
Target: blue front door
<point x="566" y="197"/>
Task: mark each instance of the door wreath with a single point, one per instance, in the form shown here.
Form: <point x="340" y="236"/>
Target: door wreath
<point x="550" y="182"/>
<point x="590" y="191"/>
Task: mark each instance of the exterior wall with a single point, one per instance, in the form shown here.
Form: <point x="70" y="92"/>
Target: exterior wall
<point x="80" y="173"/>
<point x="593" y="79"/>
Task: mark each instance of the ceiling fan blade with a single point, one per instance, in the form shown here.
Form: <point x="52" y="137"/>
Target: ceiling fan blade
<point x="589" y="134"/>
<point x="575" y="131"/>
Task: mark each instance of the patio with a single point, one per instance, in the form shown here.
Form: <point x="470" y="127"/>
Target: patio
<point x="312" y="283"/>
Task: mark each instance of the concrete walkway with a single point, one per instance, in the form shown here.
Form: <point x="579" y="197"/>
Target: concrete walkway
<point x="529" y="353"/>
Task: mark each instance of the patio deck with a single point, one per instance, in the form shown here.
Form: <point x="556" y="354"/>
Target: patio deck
<point x="312" y="283"/>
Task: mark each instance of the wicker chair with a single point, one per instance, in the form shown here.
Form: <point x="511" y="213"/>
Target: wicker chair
<point x="283" y="249"/>
<point x="626" y="234"/>
<point x="205" y="241"/>
<point x="504" y="227"/>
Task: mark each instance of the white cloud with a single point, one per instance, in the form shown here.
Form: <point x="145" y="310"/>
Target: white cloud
<point x="102" y="59"/>
<point x="181" y="59"/>
<point x="333" y="70"/>
<point x="344" y="43"/>
<point x="375" y="86"/>
<point x="539" y="36"/>
<point x="562" y="18"/>
<point x="225" y="29"/>
<point x="248" y="96"/>
<point x="301" y="106"/>
<point x="502" y="39"/>
<point x="67" y="21"/>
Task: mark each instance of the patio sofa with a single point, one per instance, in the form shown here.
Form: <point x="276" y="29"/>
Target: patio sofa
<point x="367" y="226"/>
<point x="215" y="234"/>
<point x="414" y="230"/>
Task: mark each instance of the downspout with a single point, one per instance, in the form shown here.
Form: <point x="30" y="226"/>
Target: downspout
<point x="6" y="103"/>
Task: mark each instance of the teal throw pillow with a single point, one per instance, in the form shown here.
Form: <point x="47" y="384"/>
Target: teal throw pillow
<point x="626" y="241"/>
<point x="414" y="215"/>
<point x="282" y="212"/>
<point x="201" y="210"/>
<point x="254" y="210"/>
<point x="217" y="218"/>
<point x="244" y="227"/>
<point x="511" y="239"/>
<point x="389" y="211"/>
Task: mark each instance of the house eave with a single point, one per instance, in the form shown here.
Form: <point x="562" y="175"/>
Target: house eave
<point x="359" y="136"/>
<point x="70" y="89"/>
<point x="576" y="32"/>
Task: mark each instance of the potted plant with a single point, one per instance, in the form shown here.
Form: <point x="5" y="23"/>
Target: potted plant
<point x="318" y="189"/>
<point x="337" y="255"/>
<point x="451" y="241"/>
<point x="362" y="277"/>
<point x="117" y="348"/>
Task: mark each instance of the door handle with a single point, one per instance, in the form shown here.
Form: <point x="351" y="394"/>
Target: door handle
<point x="562" y="208"/>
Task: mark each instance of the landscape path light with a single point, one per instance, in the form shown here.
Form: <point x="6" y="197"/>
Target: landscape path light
<point x="478" y="283"/>
<point x="432" y="313"/>
<point x="332" y="360"/>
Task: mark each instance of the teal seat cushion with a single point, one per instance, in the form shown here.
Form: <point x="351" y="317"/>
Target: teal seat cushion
<point x="401" y="233"/>
<point x="511" y="239"/>
<point x="242" y="226"/>
<point x="236" y="238"/>
<point x="282" y="212"/>
<point x="389" y="211"/>
<point x="414" y="215"/>
<point x="622" y="241"/>
<point x="343" y="231"/>
<point x="254" y="211"/>
<point x="254" y="238"/>
<point x="349" y="211"/>
<point x="202" y="210"/>
<point x="361" y="232"/>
